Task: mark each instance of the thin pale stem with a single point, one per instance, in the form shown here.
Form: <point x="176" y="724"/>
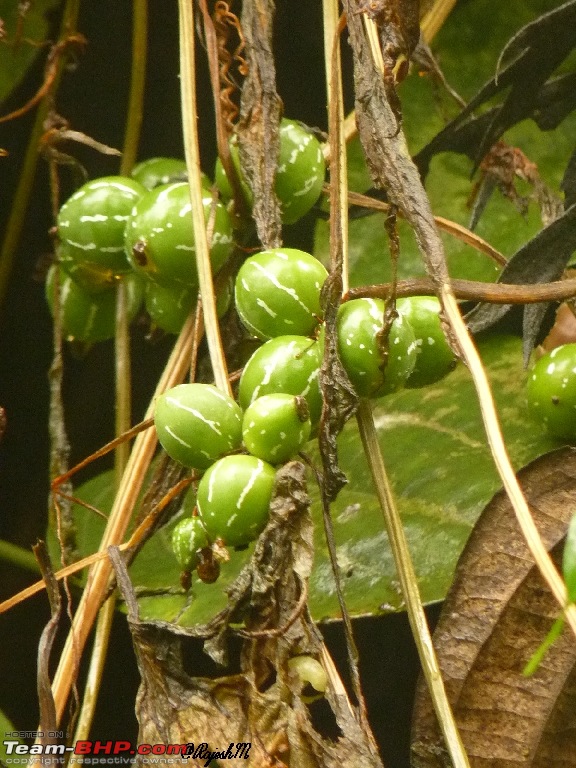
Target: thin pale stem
<point x="502" y="460"/>
<point x="132" y="480"/>
<point x="192" y="153"/>
<point x="434" y="19"/>
<point x="96" y="669"/>
<point x="336" y="139"/>
<point x="409" y="586"/>
<point x="123" y="378"/>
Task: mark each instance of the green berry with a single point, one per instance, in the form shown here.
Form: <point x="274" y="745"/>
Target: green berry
<point x="276" y="427"/>
<point x="287" y="364"/>
<point x="435" y="358"/>
<point x="156" y="171"/>
<point x="197" y="423"/>
<point x="221" y="180"/>
<point x="551" y="392"/>
<point x="278" y="292"/>
<point x="234" y="497"/>
<point x="160" y="235"/>
<point x="90" y="277"/>
<point x="188" y="538"/>
<point x="169" y="305"/>
<point x="299" y="176"/>
<point x="90" y="317"/>
<point x="91" y="225"/>
<point x="301" y="170"/>
<point x="359" y="323"/>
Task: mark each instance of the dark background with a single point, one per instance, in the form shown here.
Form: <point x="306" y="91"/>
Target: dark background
<point x="93" y="99"/>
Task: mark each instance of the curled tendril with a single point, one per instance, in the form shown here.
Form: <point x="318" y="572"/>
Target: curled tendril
<point x="224" y="23"/>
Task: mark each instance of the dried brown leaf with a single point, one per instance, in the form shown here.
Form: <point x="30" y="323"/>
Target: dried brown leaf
<point x="387" y="155"/>
<point x="48" y="720"/>
<point x="495" y="616"/>
<point x="260" y="111"/>
<point x="262" y="706"/>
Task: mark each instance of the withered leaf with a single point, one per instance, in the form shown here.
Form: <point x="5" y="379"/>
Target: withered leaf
<point x="48" y="719"/>
<point x="398" y="23"/>
<point x="495" y="616"/>
<point x="339" y="399"/>
<point x="555" y="101"/>
<point x="260" y="111"/>
<point x="540" y="260"/>
<point x="261" y="706"/>
<point x="552" y="103"/>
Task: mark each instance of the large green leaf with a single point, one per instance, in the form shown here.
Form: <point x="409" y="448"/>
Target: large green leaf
<point x="432" y="439"/>
<point x="22" y="45"/>
<point x="435" y="450"/>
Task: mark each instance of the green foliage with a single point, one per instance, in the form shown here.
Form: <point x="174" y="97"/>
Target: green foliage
<point x="434" y="445"/>
<point x="433" y="439"/>
<point x="18" y="55"/>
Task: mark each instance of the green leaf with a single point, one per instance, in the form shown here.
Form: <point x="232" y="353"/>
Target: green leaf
<point x="5" y="727"/>
<point x="467" y="48"/>
<point x="434" y="446"/>
<point x="21" y="47"/>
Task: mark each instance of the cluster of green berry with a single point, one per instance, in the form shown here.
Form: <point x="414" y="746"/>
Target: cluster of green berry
<point x="139" y="230"/>
<point x="279" y="399"/>
<point x="551" y="392"/>
<point x="123" y="229"/>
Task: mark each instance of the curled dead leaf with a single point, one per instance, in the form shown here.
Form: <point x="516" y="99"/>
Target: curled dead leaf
<point x="495" y="616"/>
<point x="262" y="706"/>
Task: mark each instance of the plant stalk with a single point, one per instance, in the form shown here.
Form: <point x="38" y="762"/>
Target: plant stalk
<point x="192" y="153"/>
<point x="409" y="586"/>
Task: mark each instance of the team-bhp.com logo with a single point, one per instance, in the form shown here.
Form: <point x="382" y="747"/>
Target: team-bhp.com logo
<point x="119" y="751"/>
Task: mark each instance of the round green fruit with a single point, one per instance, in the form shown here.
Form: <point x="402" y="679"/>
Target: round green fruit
<point x="234" y="497"/>
<point x="299" y="176"/>
<point x="276" y="427"/>
<point x="197" y="423"/>
<point x="287" y="364"/>
<point x="301" y="170"/>
<point x="160" y="235"/>
<point x="169" y="305"/>
<point x="90" y="317"/>
<point x="278" y="292"/>
<point x="221" y="180"/>
<point x="435" y="359"/>
<point x="156" y="171"/>
<point x="551" y="392"/>
<point x="91" y="225"/>
<point x="359" y="323"/>
<point x="92" y="278"/>
<point x="188" y="538"/>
